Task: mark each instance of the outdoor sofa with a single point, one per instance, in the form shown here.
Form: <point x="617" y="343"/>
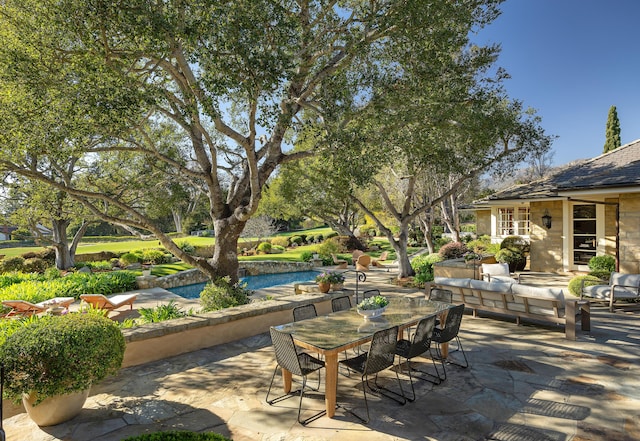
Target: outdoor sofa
<point x="519" y="301"/>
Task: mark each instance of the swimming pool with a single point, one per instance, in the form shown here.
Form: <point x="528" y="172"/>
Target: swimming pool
<point x="253" y="282"/>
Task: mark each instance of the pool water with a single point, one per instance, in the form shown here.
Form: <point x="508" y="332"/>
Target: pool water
<point x="253" y="282"/>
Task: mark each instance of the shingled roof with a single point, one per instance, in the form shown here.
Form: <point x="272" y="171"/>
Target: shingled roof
<point x="619" y="168"/>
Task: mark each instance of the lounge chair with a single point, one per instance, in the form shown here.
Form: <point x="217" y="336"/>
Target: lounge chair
<point x="342" y="264"/>
<point x="25" y="309"/>
<point x="355" y="254"/>
<point x="382" y="258"/>
<point x="363" y="262"/>
<point x="109" y="303"/>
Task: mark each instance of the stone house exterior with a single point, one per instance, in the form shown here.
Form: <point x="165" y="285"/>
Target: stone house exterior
<point x="590" y="208"/>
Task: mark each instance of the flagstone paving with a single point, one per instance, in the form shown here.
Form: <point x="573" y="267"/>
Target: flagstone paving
<point x="524" y="382"/>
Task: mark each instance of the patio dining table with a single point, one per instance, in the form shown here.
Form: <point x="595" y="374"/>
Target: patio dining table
<point x="337" y="332"/>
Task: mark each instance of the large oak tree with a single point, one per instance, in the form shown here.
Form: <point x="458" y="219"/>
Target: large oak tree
<point x="238" y="80"/>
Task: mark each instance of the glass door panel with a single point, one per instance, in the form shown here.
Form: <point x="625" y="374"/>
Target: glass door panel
<point x="584" y="233"/>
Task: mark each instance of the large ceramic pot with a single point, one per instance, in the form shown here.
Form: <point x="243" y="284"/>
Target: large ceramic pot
<point x="324" y="287"/>
<point x="54" y="410"/>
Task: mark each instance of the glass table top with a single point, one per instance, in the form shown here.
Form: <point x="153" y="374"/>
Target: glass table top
<point x="347" y="327"/>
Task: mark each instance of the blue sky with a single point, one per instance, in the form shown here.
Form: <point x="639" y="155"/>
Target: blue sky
<point x="571" y="60"/>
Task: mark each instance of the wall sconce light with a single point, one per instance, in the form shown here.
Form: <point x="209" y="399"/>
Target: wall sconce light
<point x="546" y="219"/>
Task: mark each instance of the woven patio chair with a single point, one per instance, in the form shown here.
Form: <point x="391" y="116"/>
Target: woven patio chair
<point x="304" y="312"/>
<point x="449" y="333"/>
<point x="298" y="363"/>
<point x="341" y="303"/>
<point x="380" y="356"/>
<point x="418" y="345"/>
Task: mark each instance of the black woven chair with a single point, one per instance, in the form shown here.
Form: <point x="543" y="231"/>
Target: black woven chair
<point x="300" y="364"/>
<point x="418" y="345"/>
<point x="441" y="295"/>
<point x="304" y="312"/>
<point x="370" y="293"/>
<point x="341" y="303"/>
<point x="380" y="356"/>
<point x="449" y="333"/>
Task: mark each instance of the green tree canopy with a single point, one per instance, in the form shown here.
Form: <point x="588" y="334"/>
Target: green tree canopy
<point x="238" y="82"/>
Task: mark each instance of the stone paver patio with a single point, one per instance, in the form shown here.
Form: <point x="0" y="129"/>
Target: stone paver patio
<point x="524" y="383"/>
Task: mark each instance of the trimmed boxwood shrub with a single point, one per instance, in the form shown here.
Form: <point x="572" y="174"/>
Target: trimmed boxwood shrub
<point x="280" y="241"/>
<point x="155" y="257"/>
<point x="264" y="247"/>
<point x="54" y="355"/>
<point x="296" y="239"/>
<point x="277" y="249"/>
<point x="129" y="258"/>
<point x="178" y="436"/>
<point x="576" y="283"/>
<point x="602" y="263"/>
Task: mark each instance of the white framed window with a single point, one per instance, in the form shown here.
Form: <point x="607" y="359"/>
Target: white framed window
<point x="513" y="221"/>
<point x="505" y="221"/>
<point x="523" y="226"/>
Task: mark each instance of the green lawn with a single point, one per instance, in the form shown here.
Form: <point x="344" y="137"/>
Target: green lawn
<point x="290" y="255"/>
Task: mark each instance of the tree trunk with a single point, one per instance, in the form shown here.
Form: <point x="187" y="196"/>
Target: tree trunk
<point x="225" y="251"/>
<point x="64" y="259"/>
<point x="399" y="245"/>
<point x="177" y="220"/>
<point x="402" y="254"/>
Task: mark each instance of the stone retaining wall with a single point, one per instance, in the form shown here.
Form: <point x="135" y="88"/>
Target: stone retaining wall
<point x="156" y="341"/>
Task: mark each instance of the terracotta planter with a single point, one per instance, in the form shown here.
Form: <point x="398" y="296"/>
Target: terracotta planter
<point x="324" y="286"/>
<point x="54" y="410"/>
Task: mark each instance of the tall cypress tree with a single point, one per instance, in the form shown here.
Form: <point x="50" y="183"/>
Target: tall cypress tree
<point x="613" y="131"/>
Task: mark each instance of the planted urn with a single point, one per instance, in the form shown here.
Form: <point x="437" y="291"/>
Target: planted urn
<point x="52" y="361"/>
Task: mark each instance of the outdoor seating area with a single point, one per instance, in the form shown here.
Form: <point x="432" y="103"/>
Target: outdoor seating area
<point x="332" y="334"/>
<point x="511" y="389"/>
<point x="546" y="304"/>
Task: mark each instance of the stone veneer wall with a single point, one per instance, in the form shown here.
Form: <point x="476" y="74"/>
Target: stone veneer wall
<point x="483" y="222"/>
<point x="545" y="254"/>
<point x="630" y="233"/>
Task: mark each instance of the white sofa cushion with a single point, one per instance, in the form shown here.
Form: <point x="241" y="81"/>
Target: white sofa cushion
<point x="452" y="281"/>
<point x="490" y="286"/>
<point x="533" y="291"/>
